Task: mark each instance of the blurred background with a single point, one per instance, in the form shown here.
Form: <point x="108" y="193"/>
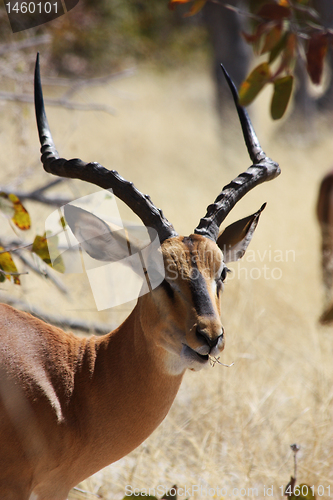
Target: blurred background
<point x="134" y="86"/>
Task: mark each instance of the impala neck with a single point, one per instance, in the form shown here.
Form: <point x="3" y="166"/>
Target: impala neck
<point x="125" y="383"/>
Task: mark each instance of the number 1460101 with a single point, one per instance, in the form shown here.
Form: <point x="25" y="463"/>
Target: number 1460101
<point x="32" y="8"/>
<point x="305" y="491"/>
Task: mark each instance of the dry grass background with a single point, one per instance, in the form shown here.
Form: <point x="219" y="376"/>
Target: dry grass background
<point x="228" y="427"/>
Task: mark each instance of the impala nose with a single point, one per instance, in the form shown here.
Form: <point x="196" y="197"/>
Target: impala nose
<point x="212" y="342"/>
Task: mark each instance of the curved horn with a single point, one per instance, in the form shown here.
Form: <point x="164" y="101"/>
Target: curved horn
<point x="95" y="173"/>
<point x="263" y="169"/>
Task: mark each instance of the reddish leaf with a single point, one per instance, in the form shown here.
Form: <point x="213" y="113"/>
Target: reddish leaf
<point x="274" y="12"/>
<point x="173" y="3"/>
<point x="257" y="38"/>
<point x="288" y="55"/>
<point x="281" y="96"/>
<point x="272" y="38"/>
<point x="258" y="32"/>
<point x="315" y="56"/>
<point x="251" y="38"/>
<point x="196" y="7"/>
<point x="251" y="87"/>
<point x="289" y="52"/>
<point x="276" y="51"/>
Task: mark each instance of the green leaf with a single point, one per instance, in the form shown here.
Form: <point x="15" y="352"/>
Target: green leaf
<point x="281" y="96"/>
<point x="11" y="205"/>
<point x="289" y="52"/>
<point x="303" y="492"/>
<point x="8" y="266"/>
<point x="276" y="51"/>
<point x="272" y="38"/>
<point x="62" y="222"/>
<point x="254" y="83"/>
<point x="42" y="247"/>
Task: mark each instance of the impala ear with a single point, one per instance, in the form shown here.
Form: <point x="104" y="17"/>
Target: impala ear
<point x="235" y="239"/>
<point x="100" y="241"/>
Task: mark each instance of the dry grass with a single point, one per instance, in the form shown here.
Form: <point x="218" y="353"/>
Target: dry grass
<point x="229" y="427"/>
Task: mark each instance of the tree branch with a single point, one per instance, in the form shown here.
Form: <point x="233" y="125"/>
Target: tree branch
<point x="27" y="98"/>
<point x="57" y="320"/>
<point x="24" y="44"/>
<point x="37" y="194"/>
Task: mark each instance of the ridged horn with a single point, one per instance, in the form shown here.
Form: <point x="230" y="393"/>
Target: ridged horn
<point x="95" y="173"/>
<point x="263" y="169"/>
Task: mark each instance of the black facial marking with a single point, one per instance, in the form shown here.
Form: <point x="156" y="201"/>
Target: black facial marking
<point x="200" y="296"/>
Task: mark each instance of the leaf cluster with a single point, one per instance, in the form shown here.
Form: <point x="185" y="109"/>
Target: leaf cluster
<point x="12" y="208"/>
<point x="282" y="31"/>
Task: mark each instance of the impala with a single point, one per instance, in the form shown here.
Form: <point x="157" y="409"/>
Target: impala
<point x="325" y="219"/>
<point x="70" y="406"/>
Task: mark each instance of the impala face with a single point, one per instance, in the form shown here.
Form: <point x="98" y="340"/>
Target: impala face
<point x="188" y="303"/>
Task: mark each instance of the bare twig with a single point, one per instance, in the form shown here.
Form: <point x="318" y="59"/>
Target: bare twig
<point x="89" y="493"/>
<point x="24" y="44"/>
<point x="49" y="185"/>
<point x="74" y="324"/>
<point x="213" y="360"/>
<point x="295" y="448"/>
<point x="7" y="273"/>
<point x="77" y="83"/>
<point x="37" y="194"/>
<point x="45" y="272"/>
<point x="27" y="98"/>
<point x="13" y="245"/>
<point x="16" y="246"/>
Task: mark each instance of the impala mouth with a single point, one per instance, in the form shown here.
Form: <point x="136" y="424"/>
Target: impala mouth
<point x="203" y="357"/>
<point x="194" y="356"/>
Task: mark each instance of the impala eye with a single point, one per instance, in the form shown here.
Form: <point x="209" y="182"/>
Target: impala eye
<point x="224" y="273"/>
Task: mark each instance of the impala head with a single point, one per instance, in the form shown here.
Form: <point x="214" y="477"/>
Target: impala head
<point x="182" y="314"/>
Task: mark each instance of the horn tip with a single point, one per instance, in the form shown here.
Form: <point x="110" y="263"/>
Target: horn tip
<point x="231" y="85"/>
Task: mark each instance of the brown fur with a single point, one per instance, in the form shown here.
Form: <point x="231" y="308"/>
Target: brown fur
<point x="70" y="406"/>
